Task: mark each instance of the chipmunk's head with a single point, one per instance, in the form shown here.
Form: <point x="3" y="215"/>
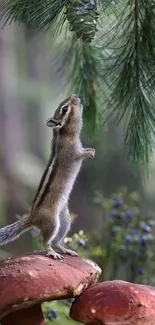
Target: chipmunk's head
<point x="68" y="116"/>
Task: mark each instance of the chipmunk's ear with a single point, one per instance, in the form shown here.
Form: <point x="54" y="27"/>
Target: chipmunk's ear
<point x="51" y="122"/>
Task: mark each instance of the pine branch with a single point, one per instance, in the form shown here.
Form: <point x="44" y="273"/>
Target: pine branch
<point x="83" y="68"/>
<point x="42" y="14"/>
<point x="35" y="13"/>
<point x="130" y="73"/>
<point x="127" y="72"/>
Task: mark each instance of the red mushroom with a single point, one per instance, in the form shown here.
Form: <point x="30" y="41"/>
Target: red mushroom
<point x="115" y="303"/>
<point x="27" y="281"/>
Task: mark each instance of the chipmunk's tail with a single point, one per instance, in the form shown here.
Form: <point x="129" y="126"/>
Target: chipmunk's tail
<point x="13" y="231"/>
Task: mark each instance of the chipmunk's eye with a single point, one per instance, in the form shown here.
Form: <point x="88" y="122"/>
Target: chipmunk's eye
<point x="64" y="108"/>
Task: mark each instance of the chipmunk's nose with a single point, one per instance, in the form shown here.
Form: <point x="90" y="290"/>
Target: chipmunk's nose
<point x="75" y="99"/>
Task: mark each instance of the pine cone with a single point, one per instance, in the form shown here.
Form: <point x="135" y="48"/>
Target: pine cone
<point x="82" y="16"/>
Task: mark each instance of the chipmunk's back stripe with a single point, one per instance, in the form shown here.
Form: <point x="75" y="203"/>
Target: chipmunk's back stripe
<point x="50" y="179"/>
<point x="45" y="177"/>
<point x="41" y="185"/>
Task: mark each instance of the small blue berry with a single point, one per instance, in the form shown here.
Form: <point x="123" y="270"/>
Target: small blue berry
<point x="117" y="203"/>
<point x="141" y="271"/>
<point x="128" y="239"/>
<point x="114" y="214"/>
<point x="128" y="216"/>
<point x="73" y="248"/>
<point x="146" y="228"/>
<point x="129" y="213"/>
<point x="143" y="240"/>
<point x="82" y="243"/>
<point x="52" y="314"/>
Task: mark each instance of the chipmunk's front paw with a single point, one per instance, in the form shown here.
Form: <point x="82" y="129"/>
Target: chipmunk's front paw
<point x="90" y="153"/>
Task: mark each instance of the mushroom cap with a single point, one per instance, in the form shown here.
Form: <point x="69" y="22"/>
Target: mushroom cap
<point x="115" y="302"/>
<point x="35" y="278"/>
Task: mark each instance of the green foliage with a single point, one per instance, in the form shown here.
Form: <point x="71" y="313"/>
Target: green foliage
<point x="85" y="80"/>
<point x="81" y="14"/>
<point x="123" y="247"/>
<point x="35" y="13"/>
<point x="57" y="312"/>
<point x="109" y="7"/>
<point x="130" y="75"/>
<point x="117" y="68"/>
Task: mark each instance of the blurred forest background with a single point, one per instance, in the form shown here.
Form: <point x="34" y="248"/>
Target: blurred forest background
<point x="113" y="201"/>
<point x="30" y="90"/>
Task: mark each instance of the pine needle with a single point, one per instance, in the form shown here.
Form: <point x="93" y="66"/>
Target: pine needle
<point x="35" y="13"/>
<point x="130" y="75"/>
<point x="109" y="7"/>
<point x="82" y="61"/>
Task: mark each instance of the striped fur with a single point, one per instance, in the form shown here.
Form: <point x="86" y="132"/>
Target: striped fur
<point x="49" y="210"/>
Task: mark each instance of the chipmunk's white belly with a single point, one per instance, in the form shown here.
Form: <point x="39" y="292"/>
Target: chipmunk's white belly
<point x="70" y="182"/>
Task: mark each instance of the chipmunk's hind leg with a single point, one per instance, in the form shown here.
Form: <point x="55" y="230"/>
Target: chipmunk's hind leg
<point x="49" y="231"/>
<point x="65" y="223"/>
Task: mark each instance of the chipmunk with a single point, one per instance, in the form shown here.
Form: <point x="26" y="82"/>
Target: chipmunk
<point x="49" y="210"/>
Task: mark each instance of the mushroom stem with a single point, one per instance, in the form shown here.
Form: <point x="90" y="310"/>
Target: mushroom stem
<point x="32" y="316"/>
